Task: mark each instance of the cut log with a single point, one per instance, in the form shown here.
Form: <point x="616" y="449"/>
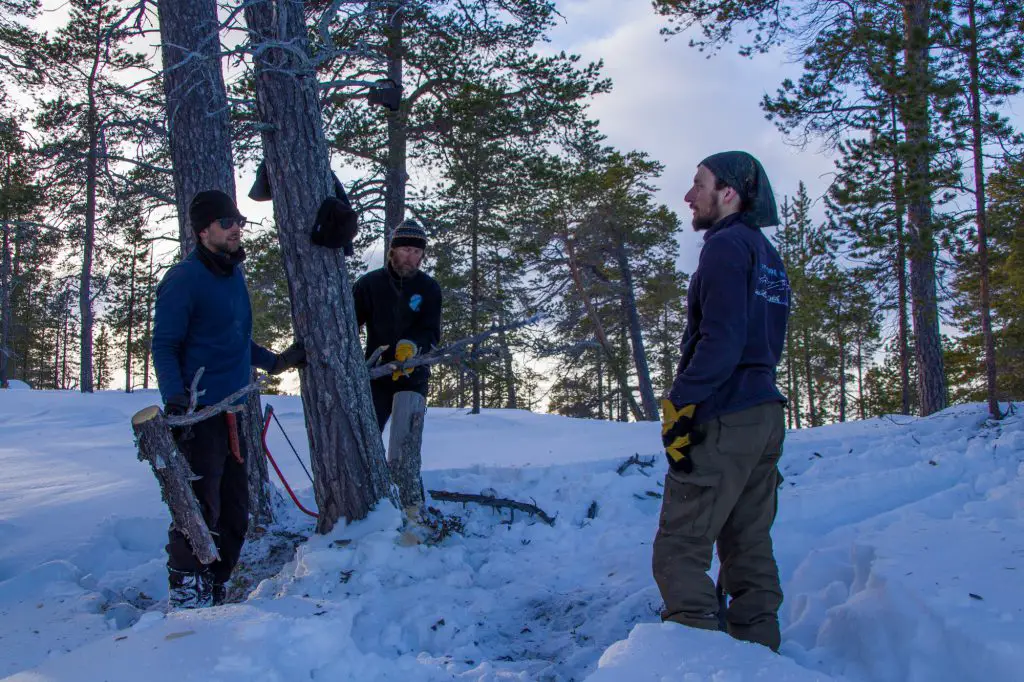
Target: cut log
<point x="409" y="410"/>
<point x="156" y="446"/>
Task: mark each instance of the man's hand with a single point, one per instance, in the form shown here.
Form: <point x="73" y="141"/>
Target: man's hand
<point x="176" y="405"/>
<point x="678" y="435"/>
<point x="293" y="357"/>
<point x="404" y="350"/>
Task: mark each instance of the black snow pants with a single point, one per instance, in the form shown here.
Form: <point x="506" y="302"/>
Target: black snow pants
<point x="223" y="493"/>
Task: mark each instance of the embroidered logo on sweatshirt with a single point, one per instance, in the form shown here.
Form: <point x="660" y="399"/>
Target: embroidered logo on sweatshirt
<point x="773" y="286"/>
<point x="415" y="302"/>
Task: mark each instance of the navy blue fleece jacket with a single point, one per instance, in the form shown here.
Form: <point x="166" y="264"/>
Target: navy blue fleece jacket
<point x="203" y="319"/>
<point x="737" y="310"/>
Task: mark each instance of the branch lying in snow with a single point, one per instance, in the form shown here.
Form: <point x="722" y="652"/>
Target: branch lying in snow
<point x="640" y="462"/>
<point x="490" y="501"/>
<point x="448" y="353"/>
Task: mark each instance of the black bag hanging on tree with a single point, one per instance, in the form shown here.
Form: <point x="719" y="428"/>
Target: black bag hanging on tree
<point x="385" y="93"/>
<point x="336" y="223"/>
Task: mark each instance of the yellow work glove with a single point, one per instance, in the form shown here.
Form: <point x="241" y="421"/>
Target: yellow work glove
<point x="404" y="350"/>
<point x="678" y="435"/>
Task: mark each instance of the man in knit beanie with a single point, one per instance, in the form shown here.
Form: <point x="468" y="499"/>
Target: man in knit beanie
<point x="203" y="322"/>
<point x="401" y="309"/>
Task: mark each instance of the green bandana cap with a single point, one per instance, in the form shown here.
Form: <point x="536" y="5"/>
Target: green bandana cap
<point x="744" y="173"/>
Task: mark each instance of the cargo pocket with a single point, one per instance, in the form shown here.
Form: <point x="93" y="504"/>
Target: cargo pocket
<point x="742" y="433"/>
<point x="689" y="504"/>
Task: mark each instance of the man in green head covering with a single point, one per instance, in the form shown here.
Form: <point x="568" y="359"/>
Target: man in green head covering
<point x="723" y="425"/>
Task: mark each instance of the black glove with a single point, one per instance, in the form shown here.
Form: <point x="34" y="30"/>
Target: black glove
<point x="293" y="357"/>
<point x="678" y="435"/>
<point x="177" y="405"/>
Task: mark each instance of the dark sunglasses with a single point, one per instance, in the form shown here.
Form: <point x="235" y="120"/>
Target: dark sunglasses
<point x="228" y="223"/>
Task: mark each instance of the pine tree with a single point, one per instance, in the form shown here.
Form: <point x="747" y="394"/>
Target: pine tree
<point x="84" y="123"/>
<point x="987" y="45"/>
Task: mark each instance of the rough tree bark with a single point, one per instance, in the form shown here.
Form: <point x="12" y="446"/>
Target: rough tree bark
<point x="200" y="142"/>
<point x="349" y="466"/>
<point x="197" y="105"/>
<point x="931" y="376"/>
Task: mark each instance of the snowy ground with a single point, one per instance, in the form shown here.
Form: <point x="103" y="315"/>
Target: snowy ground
<point x="900" y="541"/>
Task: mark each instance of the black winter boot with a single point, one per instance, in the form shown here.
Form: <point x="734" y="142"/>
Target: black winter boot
<point x="189" y="590"/>
<point x="220" y="594"/>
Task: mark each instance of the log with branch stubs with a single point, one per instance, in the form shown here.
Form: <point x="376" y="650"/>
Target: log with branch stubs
<point x="156" y="446"/>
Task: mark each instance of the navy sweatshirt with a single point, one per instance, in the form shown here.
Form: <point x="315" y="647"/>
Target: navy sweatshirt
<point x="203" y="319"/>
<point x="737" y="310"/>
<point x="395" y="308"/>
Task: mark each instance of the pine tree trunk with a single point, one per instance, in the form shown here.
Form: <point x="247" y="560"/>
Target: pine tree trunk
<point x="792" y="405"/>
<point x="474" y="294"/>
<point x="199" y="132"/>
<point x="131" y="328"/>
<point x="349" y="466"/>
<point x="85" y="282"/>
<point x="812" y="412"/>
<point x="860" y="377"/>
<point x="263" y="496"/>
<point x="149" y="327"/>
<point x="902" y="303"/>
<point x="931" y="377"/>
<point x="395" y="175"/>
<point x="6" y="344"/>
<point x="600" y="386"/>
<point x="511" y="399"/>
<point x="842" y="375"/>
<point x="981" y="221"/>
<point x="643" y="371"/>
<point x="197" y="105"/>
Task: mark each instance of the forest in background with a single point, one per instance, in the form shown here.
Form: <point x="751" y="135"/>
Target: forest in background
<point x="906" y="296"/>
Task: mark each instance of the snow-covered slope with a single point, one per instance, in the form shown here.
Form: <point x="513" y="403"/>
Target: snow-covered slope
<point x="900" y="541"/>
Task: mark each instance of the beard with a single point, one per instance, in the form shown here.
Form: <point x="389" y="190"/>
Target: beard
<point x="404" y="270"/>
<point x="701" y="223"/>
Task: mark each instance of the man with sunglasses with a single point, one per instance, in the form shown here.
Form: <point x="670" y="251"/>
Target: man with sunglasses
<point x="203" y="320"/>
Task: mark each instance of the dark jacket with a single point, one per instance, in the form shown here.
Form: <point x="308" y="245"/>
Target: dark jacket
<point x="203" y="319"/>
<point x="393" y="308"/>
<point x="737" y="310"/>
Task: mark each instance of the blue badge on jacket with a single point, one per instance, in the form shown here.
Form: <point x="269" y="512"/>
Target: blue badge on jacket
<point x="415" y="302"/>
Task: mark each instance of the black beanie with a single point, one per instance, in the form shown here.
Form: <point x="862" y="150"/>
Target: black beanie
<point x="208" y="206"/>
<point x="409" y="233"/>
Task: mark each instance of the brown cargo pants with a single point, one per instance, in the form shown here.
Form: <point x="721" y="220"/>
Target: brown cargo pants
<point x="728" y="498"/>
